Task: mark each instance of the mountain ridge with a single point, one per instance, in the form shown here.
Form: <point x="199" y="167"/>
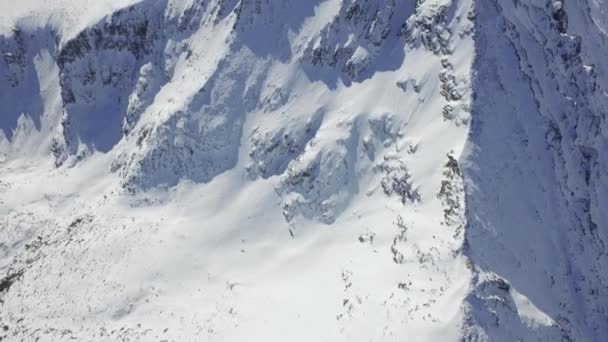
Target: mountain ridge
<point x="342" y="169"/>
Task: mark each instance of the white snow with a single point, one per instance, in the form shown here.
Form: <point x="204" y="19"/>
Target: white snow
<point x="68" y="17"/>
<point x="338" y="170"/>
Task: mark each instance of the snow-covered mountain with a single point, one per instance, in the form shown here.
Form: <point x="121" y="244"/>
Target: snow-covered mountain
<point x="303" y="170"/>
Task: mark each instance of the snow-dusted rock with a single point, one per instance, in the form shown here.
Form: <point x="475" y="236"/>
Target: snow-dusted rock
<point x="338" y="170"/>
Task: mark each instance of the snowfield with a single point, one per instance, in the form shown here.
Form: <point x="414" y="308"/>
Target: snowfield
<point x="336" y="170"/>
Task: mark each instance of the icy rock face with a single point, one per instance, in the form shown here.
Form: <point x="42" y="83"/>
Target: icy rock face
<point x="452" y="196"/>
<point x="549" y="131"/>
<point x="98" y="69"/>
<point x="273" y="150"/>
<point x="429" y="26"/>
<point x="20" y="88"/>
<point x="355" y="37"/>
<point x="197" y="142"/>
<point x="150" y="80"/>
<point x="320" y="181"/>
<point x="209" y="145"/>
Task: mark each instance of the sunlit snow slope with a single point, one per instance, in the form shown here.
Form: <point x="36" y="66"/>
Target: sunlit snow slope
<point x="337" y="170"/>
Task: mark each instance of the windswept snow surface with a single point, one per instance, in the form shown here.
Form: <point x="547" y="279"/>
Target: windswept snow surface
<point x="66" y="16"/>
<point x="338" y="170"/>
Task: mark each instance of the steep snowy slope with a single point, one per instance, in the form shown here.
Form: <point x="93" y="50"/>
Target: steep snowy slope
<point x="536" y="172"/>
<point x="376" y="170"/>
<point x="231" y="170"/>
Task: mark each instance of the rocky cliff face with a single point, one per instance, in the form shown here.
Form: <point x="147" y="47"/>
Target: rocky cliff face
<point x="339" y="169"/>
<point x="546" y="236"/>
